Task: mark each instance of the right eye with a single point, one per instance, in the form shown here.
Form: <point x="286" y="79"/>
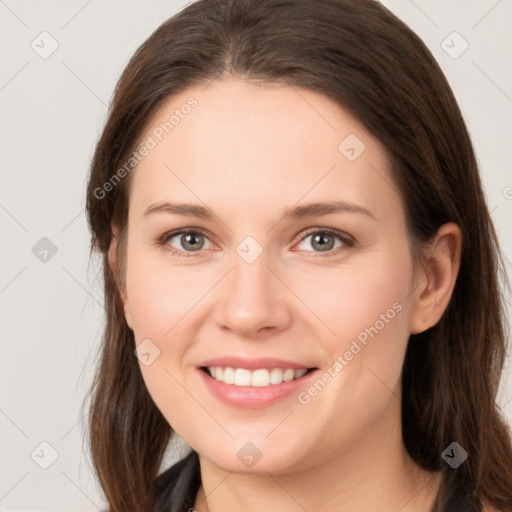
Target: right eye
<point x="188" y="241"/>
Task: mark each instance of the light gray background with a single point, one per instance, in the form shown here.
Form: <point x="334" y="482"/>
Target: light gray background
<point x="52" y="111"/>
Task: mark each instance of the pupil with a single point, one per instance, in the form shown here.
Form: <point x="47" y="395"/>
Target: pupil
<point x="191" y="237"/>
<point x="320" y="238"/>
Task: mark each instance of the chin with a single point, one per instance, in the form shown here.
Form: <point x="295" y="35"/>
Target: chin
<point x="246" y="457"/>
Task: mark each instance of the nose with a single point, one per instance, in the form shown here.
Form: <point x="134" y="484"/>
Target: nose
<point x="254" y="302"/>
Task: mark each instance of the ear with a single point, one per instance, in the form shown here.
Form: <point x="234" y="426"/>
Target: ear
<point x="113" y="263"/>
<point x="436" y="281"/>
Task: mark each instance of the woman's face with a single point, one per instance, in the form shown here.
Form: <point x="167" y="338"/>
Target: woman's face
<point x="268" y="285"/>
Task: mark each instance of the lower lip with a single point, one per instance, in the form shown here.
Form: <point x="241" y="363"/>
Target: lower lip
<point x="254" y="397"/>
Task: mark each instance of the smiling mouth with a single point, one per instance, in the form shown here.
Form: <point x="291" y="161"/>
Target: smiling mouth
<point x="263" y="377"/>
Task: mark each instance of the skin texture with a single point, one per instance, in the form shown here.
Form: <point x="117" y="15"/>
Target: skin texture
<point x="250" y="152"/>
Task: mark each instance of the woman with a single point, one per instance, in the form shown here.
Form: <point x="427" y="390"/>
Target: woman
<point x="301" y="273"/>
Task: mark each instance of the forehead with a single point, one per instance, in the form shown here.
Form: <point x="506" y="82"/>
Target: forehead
<point x="244" y="144"/>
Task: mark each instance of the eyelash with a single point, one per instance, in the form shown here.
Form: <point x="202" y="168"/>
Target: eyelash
<point x="343" y="237"/>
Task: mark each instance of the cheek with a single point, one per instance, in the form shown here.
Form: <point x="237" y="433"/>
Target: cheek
<point x="355" y="302"/>
<point x="366" y="308"/>
<point x="160" y="296"/>
<point x="160" y="300"/>
<point x="359" y="380"/>
<point x="164" y="302"/>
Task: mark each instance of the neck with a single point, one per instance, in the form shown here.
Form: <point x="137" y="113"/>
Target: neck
<point x="373" y="473"/>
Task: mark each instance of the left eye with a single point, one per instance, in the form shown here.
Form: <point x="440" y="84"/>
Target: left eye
<point x="323" y="240"/>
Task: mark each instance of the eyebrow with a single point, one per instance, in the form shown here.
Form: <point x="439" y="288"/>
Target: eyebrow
<point x="297" y="212"/>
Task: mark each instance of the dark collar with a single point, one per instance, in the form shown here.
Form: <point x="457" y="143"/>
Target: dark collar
<point x="177" y="486"/>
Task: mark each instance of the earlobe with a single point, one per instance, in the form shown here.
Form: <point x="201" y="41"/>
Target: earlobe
<point x="113" y="263"/>
<point x="435" y="287"/>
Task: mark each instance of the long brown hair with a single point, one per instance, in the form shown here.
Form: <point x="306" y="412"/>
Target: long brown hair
<point x="359" y="54"/>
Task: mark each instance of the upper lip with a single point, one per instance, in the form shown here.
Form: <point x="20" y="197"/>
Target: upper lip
<point x="253" y="363"/>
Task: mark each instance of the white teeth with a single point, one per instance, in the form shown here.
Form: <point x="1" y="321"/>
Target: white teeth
<point x="228" y="376"/>
<point x="288" y="374"/>
<point x="300" y="373"/>
<point x="276" y="376"/>
<point x="242" y="377"/>
<point x="257" y="378"/>
<point x="260" y="378"/>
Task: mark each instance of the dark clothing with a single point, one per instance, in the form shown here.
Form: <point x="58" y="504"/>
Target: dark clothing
<point x="177" y="486"/>
<point x="177" y="489"/>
